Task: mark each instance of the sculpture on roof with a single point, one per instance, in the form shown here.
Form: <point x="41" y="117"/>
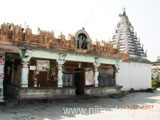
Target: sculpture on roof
<point x="4" y="29"/>
<point x="28" y="33"/>
<point x="42" y="35"/>
<point x="71" y="41"/>
<point x="82" y="39"/>
<point x="17" y="30"/>
<point x="80" y="42"/>
<point x="98" y="46"/>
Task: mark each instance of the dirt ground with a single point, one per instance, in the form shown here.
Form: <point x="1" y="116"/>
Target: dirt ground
<point x="134" y="106"/>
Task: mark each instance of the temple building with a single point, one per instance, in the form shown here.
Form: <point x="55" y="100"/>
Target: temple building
<point x="135" y="73"/>
<point x="42" y="66"/>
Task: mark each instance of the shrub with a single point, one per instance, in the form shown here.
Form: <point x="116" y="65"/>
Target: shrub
<point x="154" y="83"/>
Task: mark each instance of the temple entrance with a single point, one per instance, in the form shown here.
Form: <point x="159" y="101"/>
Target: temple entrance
<point x="79" y="81"/>
<point x="12" y="70"/>
<point x="74" y="75"/>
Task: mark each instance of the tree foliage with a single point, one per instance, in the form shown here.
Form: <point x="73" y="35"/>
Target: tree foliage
<point x="156" y="77"/>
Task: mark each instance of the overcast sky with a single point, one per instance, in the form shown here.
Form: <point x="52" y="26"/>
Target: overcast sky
<point x="99" y="17"/>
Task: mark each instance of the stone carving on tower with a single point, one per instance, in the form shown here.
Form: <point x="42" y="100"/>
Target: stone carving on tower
<point x="126" y="38"/>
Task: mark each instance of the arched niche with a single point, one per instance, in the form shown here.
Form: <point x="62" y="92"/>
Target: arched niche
<point x="82" y="39"/>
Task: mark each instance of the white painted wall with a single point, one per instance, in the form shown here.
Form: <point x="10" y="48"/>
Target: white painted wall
<point x="134" y="75"/>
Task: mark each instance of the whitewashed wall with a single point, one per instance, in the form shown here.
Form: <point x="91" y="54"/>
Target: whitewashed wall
<point x="134" y="75"/>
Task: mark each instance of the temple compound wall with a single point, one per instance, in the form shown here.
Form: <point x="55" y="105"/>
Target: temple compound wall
<point x="134" y="75"/>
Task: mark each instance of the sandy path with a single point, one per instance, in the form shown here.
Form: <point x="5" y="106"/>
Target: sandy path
<point x="135" y="106"/>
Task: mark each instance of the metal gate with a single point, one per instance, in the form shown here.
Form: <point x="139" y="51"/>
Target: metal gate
<point x="106" y="80"/>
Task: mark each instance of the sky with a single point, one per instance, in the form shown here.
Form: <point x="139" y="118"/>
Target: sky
<point x="98" y="17"/>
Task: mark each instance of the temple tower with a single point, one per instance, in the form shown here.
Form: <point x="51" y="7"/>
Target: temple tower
<point x="126" y="38"/>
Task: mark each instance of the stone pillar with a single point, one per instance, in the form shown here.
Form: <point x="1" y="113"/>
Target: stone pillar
<point x="60" y="75"/>
<point x="96" y="74"/>
<point x="116" y="68"/>
<point x="24" y="75"/>
<point x="25" y="57"/>
<point x="60" y="61"/>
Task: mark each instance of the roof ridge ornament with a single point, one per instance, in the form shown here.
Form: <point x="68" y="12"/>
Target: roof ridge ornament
<point x="83" y="28"/>
<point x="124" y="9"/>
<point x="124" y="12"/>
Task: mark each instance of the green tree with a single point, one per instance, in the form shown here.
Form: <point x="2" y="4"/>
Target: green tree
<point x="156" y="77"/>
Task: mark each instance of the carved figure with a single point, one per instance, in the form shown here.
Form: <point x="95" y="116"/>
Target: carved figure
<point x="4" y="29"/>
<point x="97" y="46"/>
<point x="84" y="44"/>
<point x="17" y="30"/>
<point x="41" y="35"/>
<point x="28" y="33"/>
<point x="62" y="39"/>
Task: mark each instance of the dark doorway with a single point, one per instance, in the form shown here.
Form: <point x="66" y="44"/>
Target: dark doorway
<point x="79" y="81"/>
<point x="12" y="72"/>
